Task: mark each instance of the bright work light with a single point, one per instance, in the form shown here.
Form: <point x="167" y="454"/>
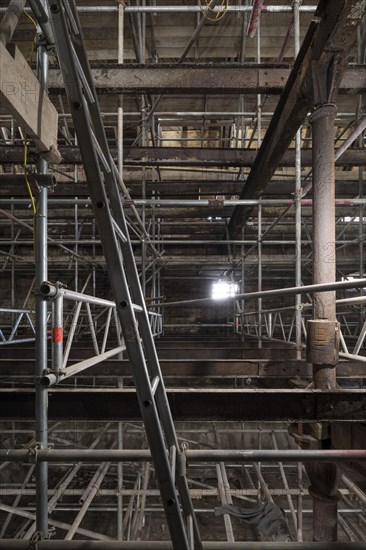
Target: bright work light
<point x="223" y="289"/>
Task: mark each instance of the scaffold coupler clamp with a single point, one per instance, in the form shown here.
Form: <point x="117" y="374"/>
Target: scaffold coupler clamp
<point x="182" y="460"/>
<point x="33" y="453"/>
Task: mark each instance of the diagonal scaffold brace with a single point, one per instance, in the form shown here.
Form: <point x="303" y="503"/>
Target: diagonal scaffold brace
<point x="103" y="183"/>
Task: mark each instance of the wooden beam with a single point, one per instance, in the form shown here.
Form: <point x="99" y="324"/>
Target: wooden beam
<point x="22" y="96"/>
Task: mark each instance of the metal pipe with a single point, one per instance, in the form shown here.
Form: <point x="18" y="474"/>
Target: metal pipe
<point x="163" y="114"/>
<point x="59" y="524"/>
<point x="62" y="487"/>
<point x="354" y="488"/>
<point x="210" y="491"/>
<point x="207" y="455"/>
<point x="357" y="201"/>
<point x="355" y="134"/>
<point x="92" y="329"/>
<point x="10" y="20"/>
<point x="299" y="533"/>
<point x="103" y="469"/>
<point x="286" y="485"/>
<point x="41" y="413"/>
<point x="40" y="11"/>
<point x="343" y="301"/>
<point x="255" y="15"/>
<point x="259" y="276"/>
<point x="120" y="484"/>
<point x="57" y="333"/>
<point x="16" y="501"/>
<point x="188" y="242"/>
<point x="298" y="192"/>
<point x="121" y="11"/>
<point x="181" y="8"/>
<point x="141" y="511"/>
<point x="224" y="500"/>
<point x="323" y="287"/>
<point x="48" y="380"/>
<point x="165" y="545"/>
<point x="48" y="290"/>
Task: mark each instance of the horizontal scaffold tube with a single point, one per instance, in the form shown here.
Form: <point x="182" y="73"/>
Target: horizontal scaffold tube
<point x="290" y="291"/>
<point x="210" y="455"/>
<point x="99" y="10"/>
<point x="165" y="545"/>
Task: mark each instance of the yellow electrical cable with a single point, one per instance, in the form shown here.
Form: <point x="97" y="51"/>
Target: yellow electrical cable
<point x="31" y="18"/>
<point x="32" y="46"/>
<point x="218" y="15"/>
<point x="33" y="202"/>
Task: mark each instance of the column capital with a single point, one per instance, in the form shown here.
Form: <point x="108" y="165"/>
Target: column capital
<point x="323" y="110"/>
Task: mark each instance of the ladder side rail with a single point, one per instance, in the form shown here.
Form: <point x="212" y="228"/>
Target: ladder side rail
<point x="118" y="280"/>
<point x="113" y="191"/>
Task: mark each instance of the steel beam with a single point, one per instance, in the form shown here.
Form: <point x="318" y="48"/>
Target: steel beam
<point x="332" y="37"/>
<point x="192" y="456"/>
<point x="12" y="186"/>
<point x="193" y="404"/>
<point x="177" y="156"/>
<point x="199" y="79"/>
<point x="268" y="369"/>
<point x="164" y="545"/>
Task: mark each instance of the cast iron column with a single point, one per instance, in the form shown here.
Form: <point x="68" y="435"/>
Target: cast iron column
<point x="323" y="330"/>
<point x="323" y="338"/>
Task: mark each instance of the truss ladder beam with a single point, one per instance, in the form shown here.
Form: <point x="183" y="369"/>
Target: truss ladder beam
<point x="106" y="197"/>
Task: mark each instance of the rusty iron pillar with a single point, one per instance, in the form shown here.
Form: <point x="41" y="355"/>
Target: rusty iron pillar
<point x="323" y="331"/>
<point x="326" y="524"/>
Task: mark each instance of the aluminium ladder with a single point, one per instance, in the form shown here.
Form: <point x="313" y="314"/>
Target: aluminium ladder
<point x="103" y="182"/>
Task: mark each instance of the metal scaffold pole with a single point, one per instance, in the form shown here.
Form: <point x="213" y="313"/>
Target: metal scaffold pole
<point x="41" y="238"/>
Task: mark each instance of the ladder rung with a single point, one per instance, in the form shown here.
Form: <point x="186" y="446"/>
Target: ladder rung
<point x="119" y="232"/>
<point x="71" y="18"/>
<point x="100" y="153"/>
<point x="155" y="384"/>
<point x="173" y="460"/>
<point x="138" y="309"/>
<point x="82" y="76"/>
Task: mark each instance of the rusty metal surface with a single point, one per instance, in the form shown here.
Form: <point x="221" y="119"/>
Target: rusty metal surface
<point x="177" y="156"/>
<point x="322" y="342"/>
<point x="324" y="248"/>
<point x="325" y="517"/>
<point x="199" y="78"/>
<point x="333" y="36"/>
